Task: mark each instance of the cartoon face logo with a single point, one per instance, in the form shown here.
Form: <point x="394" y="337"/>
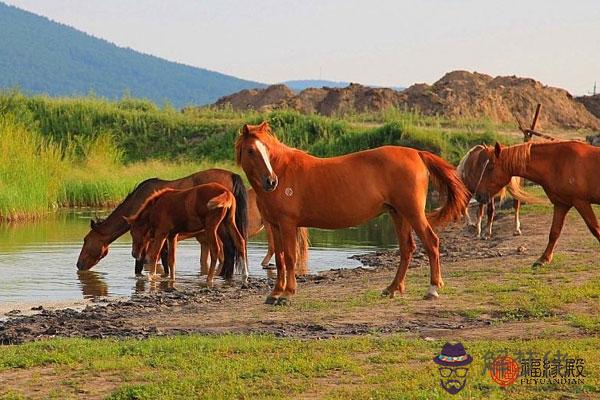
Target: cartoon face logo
<point x="453" y="370"/>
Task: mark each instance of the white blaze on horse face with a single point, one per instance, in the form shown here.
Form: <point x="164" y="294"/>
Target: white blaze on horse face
<point x="262" y="149"/>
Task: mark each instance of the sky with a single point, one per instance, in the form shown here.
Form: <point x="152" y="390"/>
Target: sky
<point x="378" y="42"/>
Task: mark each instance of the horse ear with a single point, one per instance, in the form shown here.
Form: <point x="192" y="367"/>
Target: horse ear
<point x="497" y="149"/>
<point x="245" y="130"/>
<point x="264" y="125"/>
<point x="92" y="224"/>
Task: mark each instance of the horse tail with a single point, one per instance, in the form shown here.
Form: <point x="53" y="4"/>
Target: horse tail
<point x="224" y="200"/>
<point x="518" y="193"/>
<point x="302" y="243"/>
<point x="241" y="199"/>
<point x="233" y="248"/>
<point x="448" y="183"/>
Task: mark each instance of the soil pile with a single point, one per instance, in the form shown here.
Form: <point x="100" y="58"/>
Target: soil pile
<point x="592" y="103"/>
<point x="456" y="94"/>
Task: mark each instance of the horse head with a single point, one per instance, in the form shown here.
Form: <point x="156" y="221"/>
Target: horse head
<point x="494" y="175"/>
<point x="254" y="148"/>
<point x="95" y="247"/>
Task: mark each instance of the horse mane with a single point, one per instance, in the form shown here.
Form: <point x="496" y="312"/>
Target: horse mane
<point x="151" y="199"/>
<point x="515" y="158"/>
<point x="461" y="165"/>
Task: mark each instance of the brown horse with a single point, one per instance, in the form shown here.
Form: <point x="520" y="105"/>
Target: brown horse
<point x="296" y="189"/>
<point x="567" y="171"/>
<point x="169" y="213"/>
<point x="104" y="232"/>
<point x="470" y="169"/>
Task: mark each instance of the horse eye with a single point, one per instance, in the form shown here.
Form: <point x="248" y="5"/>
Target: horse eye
<point x="250" y="151"/>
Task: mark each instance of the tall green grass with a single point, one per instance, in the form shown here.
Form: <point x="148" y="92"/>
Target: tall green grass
<point x="30" y="169"/>
<point x="88" y="151"/>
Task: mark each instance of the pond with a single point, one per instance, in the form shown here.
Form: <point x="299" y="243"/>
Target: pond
<point x="37" y="259"/>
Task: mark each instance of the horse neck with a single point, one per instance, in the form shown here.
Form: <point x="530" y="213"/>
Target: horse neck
<point x="115" y="226"/>
<point x="536" y="166"/>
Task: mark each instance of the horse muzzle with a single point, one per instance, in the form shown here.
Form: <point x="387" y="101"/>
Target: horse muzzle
<point x="270" y="183"/>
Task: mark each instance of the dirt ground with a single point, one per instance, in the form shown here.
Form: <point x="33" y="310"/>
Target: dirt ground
<point x="491" y="292"/>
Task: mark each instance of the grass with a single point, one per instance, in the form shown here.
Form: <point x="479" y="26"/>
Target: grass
<point x="248" y="366"/>
<point x="87" y="151"/>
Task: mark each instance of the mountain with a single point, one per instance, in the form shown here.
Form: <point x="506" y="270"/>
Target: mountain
<point x="301" y="84"/>
<point x="42" y="56"/>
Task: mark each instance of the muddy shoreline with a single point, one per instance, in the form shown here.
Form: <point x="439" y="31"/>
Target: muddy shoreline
<point x="333" y="303"/>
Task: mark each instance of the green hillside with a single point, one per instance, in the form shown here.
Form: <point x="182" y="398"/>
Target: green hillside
<point x="41" y="56"/>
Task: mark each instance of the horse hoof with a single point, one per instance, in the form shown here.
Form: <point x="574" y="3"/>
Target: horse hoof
<point x="268" y="266"/>
<point x="387" y="292"/>
<point x="431" y="296"/>
<point x="282" y="301"/>
<point x="538" y="264"/>
<point x="271" y="300"/>
<point x="517" y="233"/>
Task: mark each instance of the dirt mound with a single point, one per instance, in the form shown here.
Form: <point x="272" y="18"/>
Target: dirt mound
<point x="592" y="103"/>
<point x="274" y="96"/>
<point x="466" y="94"/>
<point x="456" y="94"/>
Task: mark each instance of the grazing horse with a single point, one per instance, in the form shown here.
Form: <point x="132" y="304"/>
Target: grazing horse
<point x="104" y="232"/>
<point x="470" y="169"/>
<point x="170" y="212"/>
<point x="567" y="171"/>
<point x="296" y="189"/>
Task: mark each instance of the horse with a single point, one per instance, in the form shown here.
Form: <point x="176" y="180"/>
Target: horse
<point x="170" y="212"/>
<point x="567" y="171"/>
<point x="295" y="189"/>
<point x="104" y="232"/>
<point x="470" y="170"/>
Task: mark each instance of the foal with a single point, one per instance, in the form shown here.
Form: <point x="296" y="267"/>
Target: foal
<point x="169" y="213"/>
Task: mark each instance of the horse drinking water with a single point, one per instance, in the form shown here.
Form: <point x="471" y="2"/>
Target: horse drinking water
<point x="169" y="213"/>
<point x="295" y="189"/>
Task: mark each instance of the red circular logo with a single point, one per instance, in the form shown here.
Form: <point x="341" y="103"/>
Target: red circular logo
<point x="504" y="370"/>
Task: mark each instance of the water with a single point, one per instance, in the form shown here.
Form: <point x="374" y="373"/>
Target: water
<point x="37" y="259"/>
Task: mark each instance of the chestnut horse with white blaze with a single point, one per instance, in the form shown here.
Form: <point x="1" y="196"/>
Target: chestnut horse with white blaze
<point x="295" y="189"/>
<point x="169" y="213"/>
<point x="567" y="171"/>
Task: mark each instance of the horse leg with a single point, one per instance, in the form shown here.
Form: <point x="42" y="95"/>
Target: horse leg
<point x="587" y="213"/>
<point x="288" y="237"/>
<point x="517" y="207"/>
<point x="479" y="219"/>
<point x="431" y="242"/>
<point x="280" y="282"/>
<point x="164" y="259"/>
<point x="154" y="250"/>
<point x="271" y="246"/>
<point x="213" y="245"/>
<point x="491" y="213"/>
<point x="468" y="220"/>
<point x="172" y="247"/>
<point x="407" y="247"/>
<point x="204" y="252"/>
<point x="139" y="267"/>
<point x="558" y="220"/>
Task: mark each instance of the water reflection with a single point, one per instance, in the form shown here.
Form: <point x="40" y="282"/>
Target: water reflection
<point x="37" y="259"/>
<point x="92" y="284"/>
